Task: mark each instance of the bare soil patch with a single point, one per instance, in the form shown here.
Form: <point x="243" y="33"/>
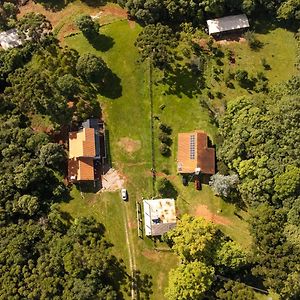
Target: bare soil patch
<point x="203" y="211"/>
<point x="152" y="255"/>
<point x="129" y="145"/>
<point x="112" y="181"/>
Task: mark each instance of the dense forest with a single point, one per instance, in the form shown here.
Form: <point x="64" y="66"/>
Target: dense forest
<point x="44" y="253"/>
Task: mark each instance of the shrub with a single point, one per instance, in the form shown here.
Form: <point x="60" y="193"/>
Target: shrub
<point x="241" y="76"/>
<point x="265" y="64"/>
<point x="165" y="128"/>
<point x="164" y="150"/>
<point x="164" y="138"/>
<point x="253" y="42"/>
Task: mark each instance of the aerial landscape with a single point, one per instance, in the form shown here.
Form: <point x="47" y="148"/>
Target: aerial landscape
<point x="150" y="149"/>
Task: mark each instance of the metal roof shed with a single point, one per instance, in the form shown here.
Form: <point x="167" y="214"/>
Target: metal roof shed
<point x="228" y="23"/>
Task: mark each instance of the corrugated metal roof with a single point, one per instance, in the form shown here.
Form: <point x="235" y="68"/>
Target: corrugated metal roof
<point x="227" y="23"/>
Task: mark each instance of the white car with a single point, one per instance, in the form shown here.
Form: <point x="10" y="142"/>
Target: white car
<point x="124" y="195"/>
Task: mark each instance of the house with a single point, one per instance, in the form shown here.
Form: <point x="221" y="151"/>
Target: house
<point x="159" y="216"/>
<point x="10" y="39"/>
<point x="227" y="24"/>
<point x="195" y="154"/>
<point x="85" y="151"/>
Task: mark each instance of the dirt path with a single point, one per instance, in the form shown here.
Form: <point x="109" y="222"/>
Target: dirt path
<point x="203" y="211"/>
<point x="131" y="249"/>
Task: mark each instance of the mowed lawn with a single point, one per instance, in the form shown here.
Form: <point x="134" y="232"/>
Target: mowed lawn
<point x="279" y="49"/>
<point x="127" y="116"/>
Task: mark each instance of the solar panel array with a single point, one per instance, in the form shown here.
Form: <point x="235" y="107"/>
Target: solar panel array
<point x="192" y="146"/>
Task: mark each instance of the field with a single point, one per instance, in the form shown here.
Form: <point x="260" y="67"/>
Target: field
<point x="126" y="111"/>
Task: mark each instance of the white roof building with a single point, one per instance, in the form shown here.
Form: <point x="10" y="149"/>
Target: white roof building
<point x="10" y="39"/>
<point x="159" y="216"/>
<point x="227" y="23"/>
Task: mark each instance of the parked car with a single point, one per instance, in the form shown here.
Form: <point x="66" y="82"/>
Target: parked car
<point x="124" y="194"/>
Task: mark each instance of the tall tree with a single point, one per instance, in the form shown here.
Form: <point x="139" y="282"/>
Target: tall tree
<point x="189" y="281"/>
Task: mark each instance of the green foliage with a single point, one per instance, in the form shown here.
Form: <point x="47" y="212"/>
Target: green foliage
<point x="233" y="290"/>
<point x="34" y="92"/>
<point x="68" y="85"/>
<point x="289" y="10"/>
<point x="34" y="26"/>
<point x="52" y="155"/>
<point x="88" y="27"/>
<point x="157" y="42"/>
<point x="164" y="150"/>
<point x="260" y="141"/>
<point x="223" y="185"/>
<point x="37" y="261"/>
<point x="8" y="15"/>
<point x="91" y="68"/>
<point x="192" y="238"/>
<point x="189" y="281"/>
<point x="277" y="260"/>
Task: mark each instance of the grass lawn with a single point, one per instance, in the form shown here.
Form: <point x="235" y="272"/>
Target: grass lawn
<point x="127" y="115"/>
<point x="278" y="49"/>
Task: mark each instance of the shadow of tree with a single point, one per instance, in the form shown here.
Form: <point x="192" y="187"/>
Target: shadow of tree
<point x="101" y="42"/>
<point x="182" y="80"/>
<point x="111" y="86"/>
<point x="143" y="285"/>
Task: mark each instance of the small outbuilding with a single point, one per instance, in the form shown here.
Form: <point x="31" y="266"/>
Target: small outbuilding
<point x="10" y="39"/>
<point x="159" y="216"/>
<point x="227" y="24"/>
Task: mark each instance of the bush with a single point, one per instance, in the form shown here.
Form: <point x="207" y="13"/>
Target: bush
<point x="253" y="42"/>
<point x="241" y="76"/>
<point x="164" y="150"/>
<point x="87" y="26"/>
<point x="265" y="64"/>
<point x="164" y="138"/>
<point x="165" y="128"/>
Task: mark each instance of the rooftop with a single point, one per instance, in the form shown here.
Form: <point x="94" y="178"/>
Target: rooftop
<point x="227" y="23"/>
<point x="10" y="39"/>
<point x="159" y="216"/>
<point x="82" y="143"/>
<point x="194" y="152"/>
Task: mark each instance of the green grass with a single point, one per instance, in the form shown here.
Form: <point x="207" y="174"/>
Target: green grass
<point x="279" y="49"/>
<point x="128" y="116"/>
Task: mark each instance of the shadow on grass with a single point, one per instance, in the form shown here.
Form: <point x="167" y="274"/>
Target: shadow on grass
<point x="111" y="86"/>
<point x="142" y="285"/>
<point x="101" y="42"/>
<point x="182" y="80"/>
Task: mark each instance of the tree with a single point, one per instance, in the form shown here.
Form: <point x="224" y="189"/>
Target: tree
<point x="289" y="10"/>
<point x="230" y="255"/>
<point x="222" y="185"/>
<point x="26" y="204"/>
<point x="192" y="238"/>
<point x="91" y="68"/>
<point x="87" y="25"/>
<point x="189" y="281"/>
<point x="157" y="43"/>
<point x="68" y="85"/>
<point x="233" y="290"/>
<point x="52" y="155"/>
<point x="8" y="15"/>
<point x="34" y="26"/>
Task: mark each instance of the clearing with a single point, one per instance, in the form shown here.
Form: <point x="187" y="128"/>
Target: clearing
<point x="127" y="115"/>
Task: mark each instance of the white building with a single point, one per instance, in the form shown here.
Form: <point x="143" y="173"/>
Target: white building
<point x="228" y="23"/>
<point x="10" y="39"/>
<point x="159" y="216"/>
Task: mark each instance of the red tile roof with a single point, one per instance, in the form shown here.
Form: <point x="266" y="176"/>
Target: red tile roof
<point x="203" y="158"/>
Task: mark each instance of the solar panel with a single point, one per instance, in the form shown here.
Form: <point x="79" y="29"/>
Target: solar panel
<point x="192" y="146"/>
